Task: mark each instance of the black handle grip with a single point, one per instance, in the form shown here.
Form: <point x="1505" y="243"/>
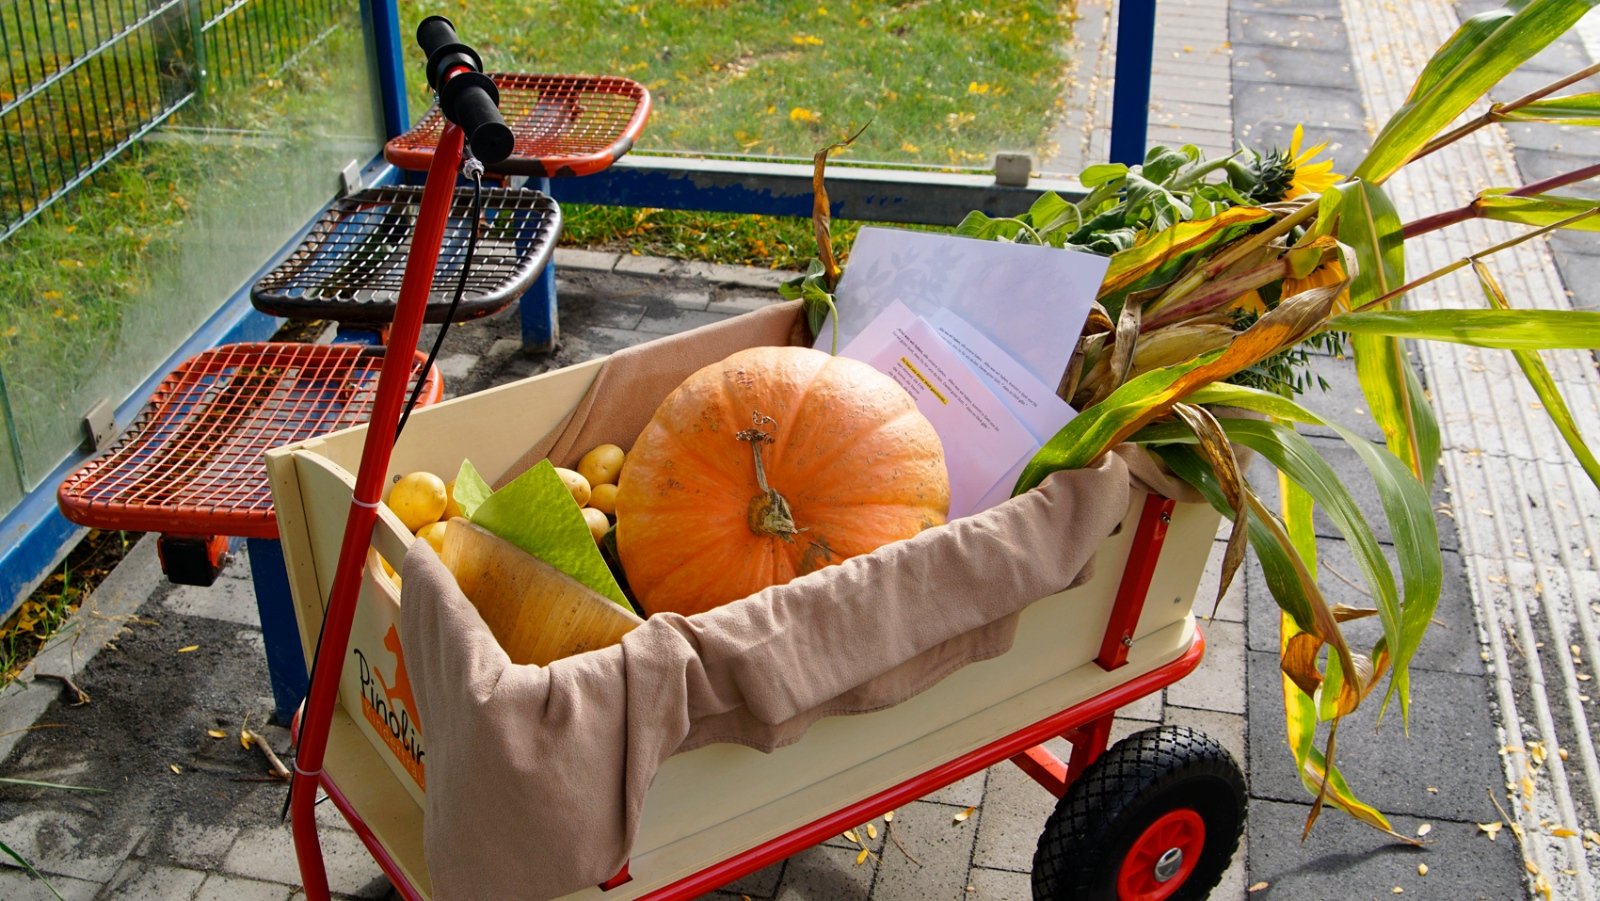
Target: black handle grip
<point x="436" y="35"/>
<point x="471" y="101"/>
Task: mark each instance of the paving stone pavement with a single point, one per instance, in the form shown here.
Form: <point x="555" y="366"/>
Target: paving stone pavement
<point x="204" y="830"/>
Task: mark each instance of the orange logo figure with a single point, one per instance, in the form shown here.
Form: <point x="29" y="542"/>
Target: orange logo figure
<point x="402" y="679"/>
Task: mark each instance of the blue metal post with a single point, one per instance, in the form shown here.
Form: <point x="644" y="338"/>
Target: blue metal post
<point x="539" y="326"/>
<point x="1130" y="98"/>
<point x="286" y="662"/>
<point x="383" y="18"/>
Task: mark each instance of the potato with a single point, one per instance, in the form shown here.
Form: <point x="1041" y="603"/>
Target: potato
<point x="577" y="484"/>
<point x="602" y="465"/>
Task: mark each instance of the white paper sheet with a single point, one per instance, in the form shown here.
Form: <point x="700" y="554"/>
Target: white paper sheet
<point x="982" y="439"/>
<point x="1031" y="301"/>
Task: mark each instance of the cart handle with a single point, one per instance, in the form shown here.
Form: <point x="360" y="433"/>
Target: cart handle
<point x="467" y="97"/>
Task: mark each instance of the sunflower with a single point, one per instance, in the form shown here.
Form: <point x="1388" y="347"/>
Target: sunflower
<point x="1309" y="177"/>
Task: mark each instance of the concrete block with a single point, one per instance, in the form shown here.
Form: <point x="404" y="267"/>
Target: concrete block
<point x="227" y="599"/>
<point x="1013" y="814"/>
<point x="665" y="319"/>
<point x="942" y="847"/>
<point x="984" y="884"/>
<point x="692" y="299"/>
<point x="456" y="366"/>
<point x="966" y="792"/>
<point x="1296" y="30"/>
<point x="579" y="319"/>
<point x="592" y="260"/>
<point x="1297" y="66"/>
<point x="744" y="301"/>
<point x="185" y="843"/>
<point x="826" y="872"/>
<point x="264" y="853"/>
<point x="137" y="880"/>
<point x="69" y="842"/>
<point x="1218" y="683"/>
<point x="1231" y="609"/>
<point x="1440" y="771"/>
<point x="218" y="887"/>
<point x="17" y="885"/>
<point x="1345" y="859"/>
<point x="646" y="266"/>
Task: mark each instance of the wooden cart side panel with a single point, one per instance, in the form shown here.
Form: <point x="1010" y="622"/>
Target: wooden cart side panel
<point x="492" y="428"/>
<point x="288" y="502"/>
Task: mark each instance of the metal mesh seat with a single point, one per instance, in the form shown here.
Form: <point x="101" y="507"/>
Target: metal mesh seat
<point x="564" y="125"/>
<point x="192" y="463"/>
<point x="350" y="266"/>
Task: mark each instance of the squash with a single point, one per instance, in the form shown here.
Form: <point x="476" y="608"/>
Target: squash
<point x="770" y="464"/>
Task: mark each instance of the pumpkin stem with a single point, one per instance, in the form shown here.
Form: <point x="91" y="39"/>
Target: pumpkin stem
<point x="768" y="513"/>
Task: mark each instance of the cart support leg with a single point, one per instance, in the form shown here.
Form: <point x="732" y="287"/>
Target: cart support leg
<point x="538" y="306"/>
<point x="1089" y="741"/>
<point x="1045" y="768"/>
<point x="286" y="662"/>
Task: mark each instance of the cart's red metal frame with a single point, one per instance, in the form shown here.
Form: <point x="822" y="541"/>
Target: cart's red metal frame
<point x="1086" y="725"/>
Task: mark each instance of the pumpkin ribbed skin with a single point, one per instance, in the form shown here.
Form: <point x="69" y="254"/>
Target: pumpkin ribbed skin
<point x="856" y="462"/>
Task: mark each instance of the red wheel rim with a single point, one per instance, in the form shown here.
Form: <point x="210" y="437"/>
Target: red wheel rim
<point x="1162" y="857"/>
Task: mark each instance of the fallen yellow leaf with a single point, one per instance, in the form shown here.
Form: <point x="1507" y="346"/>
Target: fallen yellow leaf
<point x="189" y="648"/>
<point x="851" y="835"/>
<point x="216" y="733"/>
<point x="862" y="857"/>
<point x="1491" y="829"/>
<point x="1530" y="866"/>
<point x="175" y="768"/>
<point x="1398" y="890"/>
<point x="1563" y="832"/>
<point x="1258" y="887"/>
<point x="1422" y="869"/>
<point x="962" y="816"/>
<point x="872" y="831"/>
<point x="1424" y="829"/>
<point x="888" y="817"/>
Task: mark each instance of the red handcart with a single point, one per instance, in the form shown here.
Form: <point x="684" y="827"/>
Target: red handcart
<point x="1157" y="816"/>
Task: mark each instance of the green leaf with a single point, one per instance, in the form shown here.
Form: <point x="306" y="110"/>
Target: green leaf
<point x="1574" y="109"/>
<point x="470" y="489"/>
<point x="9" y="780"/>
<point x="1483" y="50"/>
<point x="1407" y="507"/>
<point x="23" y="862"/>
<point x="537" y="513"/>
<point x="1370" y="227"/>
<point x="817" y="302"/>
<point x="1505" y="329"/>
<point x="1538" y="209"/>
<point x="1555" y="406"/>
<point x="1099" y="174"/>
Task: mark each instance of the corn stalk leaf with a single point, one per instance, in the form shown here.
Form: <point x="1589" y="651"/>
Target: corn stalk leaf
<point x="1144" y="398"/>
<point x="1574" y="109"/>
<point x="1538" y="209"/>
<point x="1218" y="453"/>
<point x="28" y="867"/>
<point x="1406" y="507"/>
<point x="1482" y="51"/>
<point x="1543" y="385"/>
<point x="1503" y="329"/>
<point x="1371" y="228"/>
<point x="1162" y="253"/>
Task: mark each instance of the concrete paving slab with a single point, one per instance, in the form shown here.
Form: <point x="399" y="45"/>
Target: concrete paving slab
<point x="826" y="872"/>
<point x="1345" y="859"/>
<point x="1215" y="684"/>
<point x="936" y="857"/>
<point x="218" y="887"/>
<point x="1289" y="29"/>
<point x="1453" y="748"/>
<point x="17" y="885"/>
<point x="140" y="881"/>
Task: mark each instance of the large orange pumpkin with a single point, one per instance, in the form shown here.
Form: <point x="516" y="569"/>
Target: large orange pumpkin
<point x="773" y="463"/>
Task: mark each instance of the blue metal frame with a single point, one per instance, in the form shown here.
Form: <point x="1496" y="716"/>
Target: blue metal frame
<point x="1130" y="96"/>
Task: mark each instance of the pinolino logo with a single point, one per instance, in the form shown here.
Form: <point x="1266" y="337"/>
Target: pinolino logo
<point x="391" y="709"/>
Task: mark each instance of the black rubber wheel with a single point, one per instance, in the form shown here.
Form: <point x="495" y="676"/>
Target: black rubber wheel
<point x="1157" y="817"/>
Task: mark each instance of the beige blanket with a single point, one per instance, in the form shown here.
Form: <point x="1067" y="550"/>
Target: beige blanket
<point x="537" y="775"/>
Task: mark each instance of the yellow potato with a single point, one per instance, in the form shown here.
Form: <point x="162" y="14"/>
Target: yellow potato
<point x="451" y="508"/>
<point x="601" y="465"/>
<point x="433" y="534"/>
<point x="418" y="498"/>
<point x="597" y="522"/>
<point x="604" y="499"/>
<point x="577" y="484"/>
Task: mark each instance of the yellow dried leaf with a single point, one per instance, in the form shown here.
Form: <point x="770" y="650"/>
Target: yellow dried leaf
<point x="1424" y="829"/>
<point x="962" y="816"/>
<point x="175" y="768"/>
<point x="1422" y="869"/>
<point x="801" y="114"/>
<point x="246" y="739"/>
<point x="1398" y="890"/>
<point x="1542" y="885"/>
<point x="850" y="835"/>
<point x="216" y="733"/>
<point x="1433" y="789"/>
<point x="872" y="831"/>
<point x="187" y="649"/>
<point x="1589" y="835"/>
<point x="862" y="857"/>
<point x="1536" y="751"/>
<point x="888" y="817"/>
<point x="1258" y="887"/>
<point x="1527" y="786"/>
<point x="1491" y="829"/>
<point x="1516" y="829"/>
<point x="1530" y="866"/>
<point x="1563" y="832"/>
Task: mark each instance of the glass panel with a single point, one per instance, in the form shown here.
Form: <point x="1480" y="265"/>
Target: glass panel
<point x="248" y="111"/>
<point x="936" y="84"/>
<point x="10" y="469"/>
